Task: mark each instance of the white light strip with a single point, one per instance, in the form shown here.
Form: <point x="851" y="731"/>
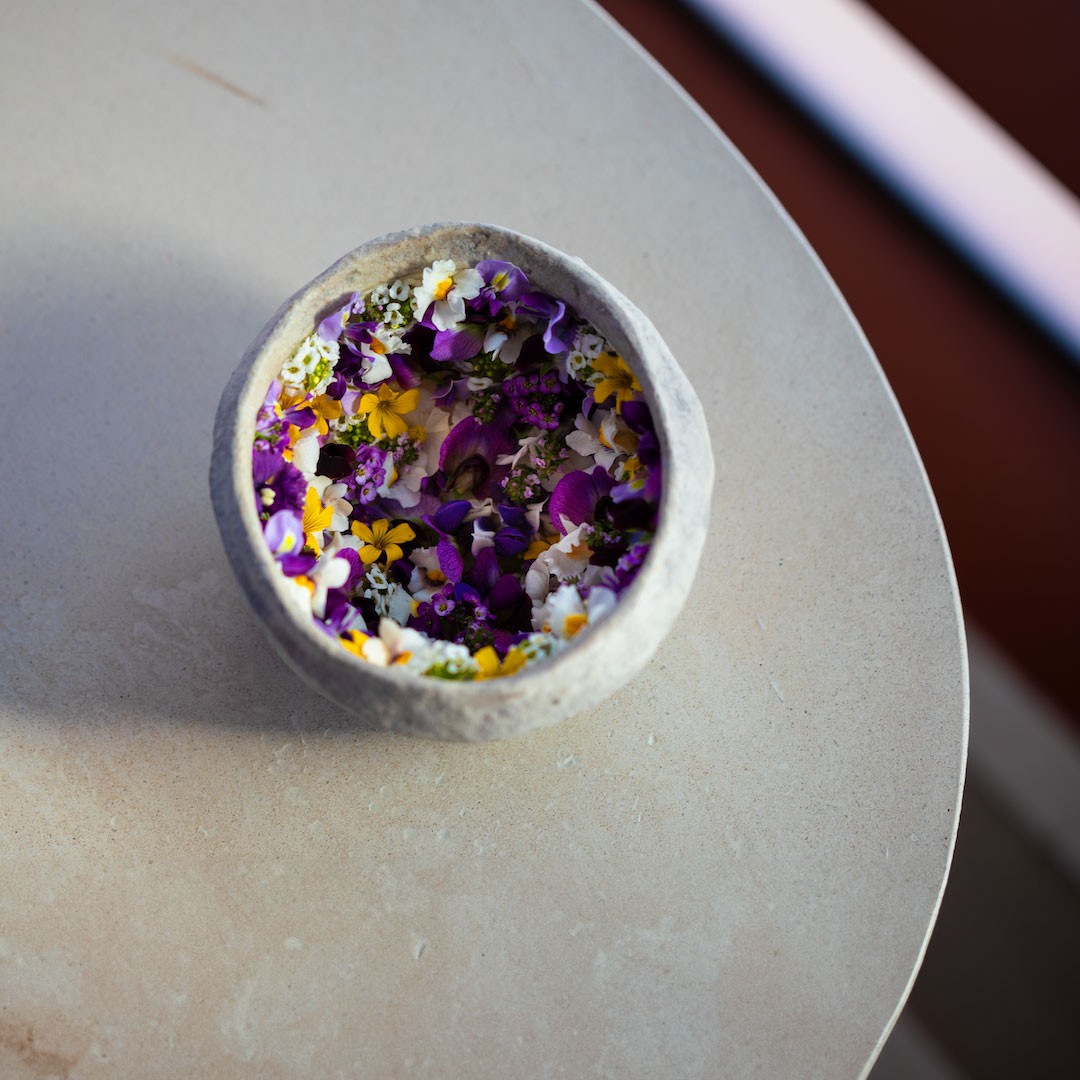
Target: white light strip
<point x="926" y="139"/>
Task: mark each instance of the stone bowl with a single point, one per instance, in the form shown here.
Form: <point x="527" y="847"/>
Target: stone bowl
<point x="605" y="655"/>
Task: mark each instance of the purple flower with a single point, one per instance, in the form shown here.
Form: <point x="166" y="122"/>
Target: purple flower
<point x="443" y="602"/>
<point x="557" y="319"/>
<point x="458" y="344"/>
<point x="370" y="468"/>
<point x="284" y="535"/>
<point x="626" y="569"/>
<point x="535" y="399"/>
<point x="468" y="453"/>
<point x="503" y="283"/>
<point x="331" y="327"/>
<point x="577" y="496"/>
<point x="279" y="485"/>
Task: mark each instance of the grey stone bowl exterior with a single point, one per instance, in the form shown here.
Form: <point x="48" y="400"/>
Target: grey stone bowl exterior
<point x="604" y="656"/>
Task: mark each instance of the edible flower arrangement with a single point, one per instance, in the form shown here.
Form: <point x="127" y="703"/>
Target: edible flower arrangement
<point x="456" y="473"/>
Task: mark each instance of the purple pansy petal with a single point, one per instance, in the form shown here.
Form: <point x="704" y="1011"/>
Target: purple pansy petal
<point x="461" y="442"/>
<point x="406" y="373"/>
<point x="450" y="516"/>
<point x="271" y="470"/>
<point x="356" y="575"/>
<point x="469" y="437"/>
<point x="485" y="570"/>
<point x="466" y="594"/>
<point x="284" y="532"/>
<point x="510" y="542"/>
<point x="265" y="465"/>
<point x="576" y="495"/>
<point x="648" y="449"/>
<point x="459" y="344"/>
<point x="331" y="327"/>
<point x="295" y="565"/>
<point x="537" y="304"/>
<point x="359" y="333"/>
<point x="559" y="335"/>
<point x="654" y="485"/>
<point x="507" y="280"/>
<point x="505" y="593"/>
<point x="637" y="416"/>
<point x="450" y="561"/>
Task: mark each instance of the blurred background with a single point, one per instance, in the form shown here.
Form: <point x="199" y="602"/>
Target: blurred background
<point x="993" y="403"/>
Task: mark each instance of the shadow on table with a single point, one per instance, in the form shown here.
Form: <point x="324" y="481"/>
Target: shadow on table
<point x="119" y="606"/>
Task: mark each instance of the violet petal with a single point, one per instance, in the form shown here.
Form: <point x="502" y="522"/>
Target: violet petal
<point x="576" y="495"/>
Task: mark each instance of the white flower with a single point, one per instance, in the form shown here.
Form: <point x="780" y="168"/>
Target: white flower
<point x="456" y="659"/>
<point x="399" y="290"/>
<point x="481" y="537"/>
<point x="332" y="495"/>
<point x="329" y="572"/>
<point x="421" y="586"/>
<point x="434" y="422"/>
<point x="376" y="366"/>
<point x="417" y="652"/>
<point x="526" y="446"/>
<point x="506" y="346"/>
<point x="564" y="614"/>
<point x="601" y="442"/>
<point x="447" y="287"/>
<point x="387" y="595"/>
<point x="537" y="646"/>
<point x="405" y="487"/>
<point x="588" y="344"/>
<point x="400" y="640"/>
<point x="564" y="560"/>
<point x="306" y="452"/>
<point x="312" y="365"/>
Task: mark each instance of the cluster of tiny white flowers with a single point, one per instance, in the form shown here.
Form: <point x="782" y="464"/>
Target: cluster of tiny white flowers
<point x="454" y="659"/>
<point x="588" y="344"/>
<point x="387" y="300"/>
<point x="537" y="646"/>
<point x="312" y="365"/>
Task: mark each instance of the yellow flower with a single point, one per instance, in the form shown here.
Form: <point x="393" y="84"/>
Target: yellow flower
<point x="316" y="519"/>
<point x="385" y="409"/>
<point x="380" y="539"/>
<point x="372" y="649"/>
<point x="325" y="408"/>
<point x="537" y="547"/>
<point x="618" y="380"/>
<point x="354" y="641"/>
<point x="487" y="660"/>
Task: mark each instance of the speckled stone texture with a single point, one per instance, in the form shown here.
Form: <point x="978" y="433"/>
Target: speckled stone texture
<point x="604" y="656"/>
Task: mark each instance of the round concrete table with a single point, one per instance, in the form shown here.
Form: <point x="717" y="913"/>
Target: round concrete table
<point x="729" y="869"/>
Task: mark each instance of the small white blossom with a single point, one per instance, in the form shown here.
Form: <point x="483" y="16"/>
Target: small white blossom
<point x="312" y="365"/>
<point x="447" y="288"/>
<point x="588" y="345"/>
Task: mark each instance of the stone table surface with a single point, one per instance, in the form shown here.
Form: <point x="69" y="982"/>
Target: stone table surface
<point x="729" y="869"/>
